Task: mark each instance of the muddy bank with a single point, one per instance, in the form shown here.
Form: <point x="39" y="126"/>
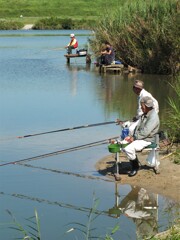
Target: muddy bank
<point x="166" y="183"/>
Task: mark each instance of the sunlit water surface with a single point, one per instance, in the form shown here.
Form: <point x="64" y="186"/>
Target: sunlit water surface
<point x="39" y="92"/>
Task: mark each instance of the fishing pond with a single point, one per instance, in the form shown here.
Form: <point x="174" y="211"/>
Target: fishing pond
<point x="40" y="92"/>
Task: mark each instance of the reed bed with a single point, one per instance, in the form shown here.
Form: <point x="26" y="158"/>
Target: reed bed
<point x="145" y="34"/>
<point x="171" y="123"/>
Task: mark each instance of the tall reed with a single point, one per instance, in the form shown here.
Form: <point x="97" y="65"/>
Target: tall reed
<point x="29" y="232"/>
<point x="172" y="122"/>
<point x="145" y="33"/>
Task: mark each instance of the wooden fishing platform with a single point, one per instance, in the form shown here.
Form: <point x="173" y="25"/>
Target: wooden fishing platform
<point x="116" y="68"/>
<point x="69" y="56"/>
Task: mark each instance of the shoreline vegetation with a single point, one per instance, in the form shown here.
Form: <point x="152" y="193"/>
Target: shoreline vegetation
<point x="144" y="34"/>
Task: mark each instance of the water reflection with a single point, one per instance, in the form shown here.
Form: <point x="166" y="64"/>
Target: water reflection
<point x="119" y="97"/>
<point x="74" y="69"/>
<point x="139" y="205"/>
<point x="81" y="67"/>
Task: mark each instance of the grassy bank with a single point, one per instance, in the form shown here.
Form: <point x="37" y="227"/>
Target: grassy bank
<point x="53" y="14"/>
<point x="60" y="8"/>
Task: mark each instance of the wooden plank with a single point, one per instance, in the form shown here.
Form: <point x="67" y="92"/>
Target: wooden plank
<point x="74" y="55"/>
<point x="112" y="67"/>
<point x="69" y="56"/>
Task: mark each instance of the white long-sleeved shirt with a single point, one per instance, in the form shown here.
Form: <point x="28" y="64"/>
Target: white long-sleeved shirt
<point x="143" y="94"/>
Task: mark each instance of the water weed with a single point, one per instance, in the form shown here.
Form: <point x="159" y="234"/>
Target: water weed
<point x="31" y="231"/>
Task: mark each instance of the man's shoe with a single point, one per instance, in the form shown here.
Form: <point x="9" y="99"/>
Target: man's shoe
<point x="132" y="173"/>
<point x="135" y="167"/>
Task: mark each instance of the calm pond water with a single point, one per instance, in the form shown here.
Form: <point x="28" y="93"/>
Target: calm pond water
<point x="39" y="92"/>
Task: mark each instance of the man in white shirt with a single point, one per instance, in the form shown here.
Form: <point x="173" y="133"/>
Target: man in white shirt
<point x="138" y="89"/>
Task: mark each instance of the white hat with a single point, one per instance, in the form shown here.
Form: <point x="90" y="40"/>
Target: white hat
<point x="147" y="101"/>
<point x="139" y="84"/>
<point x="72" y="35"/>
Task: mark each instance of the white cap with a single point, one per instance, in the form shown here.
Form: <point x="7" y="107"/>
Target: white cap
<point x="147" y="101"/>
<point x="138" y="84"/>
<point x="72" y="35"/>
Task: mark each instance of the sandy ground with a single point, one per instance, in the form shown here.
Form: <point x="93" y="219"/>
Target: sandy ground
<point x="166" y="183"/>
<point x="27" y="27"/>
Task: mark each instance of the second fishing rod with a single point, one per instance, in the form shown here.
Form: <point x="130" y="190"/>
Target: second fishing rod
<point x="71" y="128"/>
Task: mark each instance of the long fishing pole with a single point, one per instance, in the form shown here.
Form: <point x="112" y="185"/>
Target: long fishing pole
<point x="60" y="151"/>
<point x="67" y="129"/>
<point x="56" y="49"/>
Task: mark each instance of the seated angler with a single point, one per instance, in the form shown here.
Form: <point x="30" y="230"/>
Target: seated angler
<point x="73" y="44"/>
<point x="107" y="55"/>
<point x="144" y="133"/>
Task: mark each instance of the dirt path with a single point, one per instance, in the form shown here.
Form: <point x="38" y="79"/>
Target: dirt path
<point x="27" y="27"/>
<point x="167" y="183"/>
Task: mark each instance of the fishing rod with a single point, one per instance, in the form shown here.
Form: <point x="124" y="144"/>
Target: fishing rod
<point x="67" y="129"/>
<point x="60" y="151"/>
<point x="56" y="49"/>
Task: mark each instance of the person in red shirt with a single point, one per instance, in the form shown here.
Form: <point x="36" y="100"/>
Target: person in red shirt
<point x="73" y="44"/>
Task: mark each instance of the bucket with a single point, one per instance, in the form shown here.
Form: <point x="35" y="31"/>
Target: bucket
<point x="82" y="52"/>
<point x="114" y="148"/>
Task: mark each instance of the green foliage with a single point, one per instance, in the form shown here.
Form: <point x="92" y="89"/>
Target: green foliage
<point x="176" y="156"/>
<point x="48" y="23"/>
<point x="144" y="33"/>
<point x="67" y="24"/>
<point x="45" y="8"/>
<point x="58" y="23"/>
<point x="77" y="14"/>
<point x="10" y="25"/>
<point x="172" y="122"/>
<point x="174" y="234"/>
<point x="31" y="231"/>
<point x="86" y="229"/>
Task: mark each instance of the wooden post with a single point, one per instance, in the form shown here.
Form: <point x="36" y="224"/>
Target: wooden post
<point x="88" y="58"/>
<point x="68" y="60"/>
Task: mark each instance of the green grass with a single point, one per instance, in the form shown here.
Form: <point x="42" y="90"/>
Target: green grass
<point x="77" y="9"/>
<point x="83" y="13"/>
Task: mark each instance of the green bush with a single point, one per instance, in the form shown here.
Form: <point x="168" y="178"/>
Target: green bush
<point x="66" y="23"/>
<point x="145" y="34"/>
<point x="10" y="25"/>
<point x="172" y="122"/>
<point x="48" y="24"/>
